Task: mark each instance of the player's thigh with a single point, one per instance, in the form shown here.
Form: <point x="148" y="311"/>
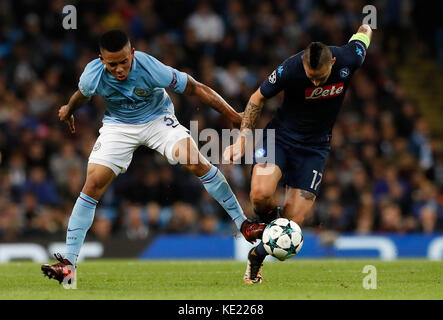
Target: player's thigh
<point x="115" y="146"/>
<point x="264" y="181"/>
<point x="98" y="179"/>
<point x="164" y="133"/>
<point x="268" y="168"/>
<point x="306" y="167"/>
<point x="297" y="204"/>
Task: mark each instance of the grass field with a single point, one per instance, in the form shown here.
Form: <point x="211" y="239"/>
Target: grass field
<point x="215" y="280"/>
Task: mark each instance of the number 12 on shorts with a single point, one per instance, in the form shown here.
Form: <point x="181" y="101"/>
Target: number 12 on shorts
<point x="314" y="184"/>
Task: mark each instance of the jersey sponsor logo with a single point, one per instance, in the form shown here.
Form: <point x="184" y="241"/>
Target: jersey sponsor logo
<point x="174" y="80"/>
<point x="325" y="92"/>
<point x="273" y="77"/>
<point x="344" y="72"/>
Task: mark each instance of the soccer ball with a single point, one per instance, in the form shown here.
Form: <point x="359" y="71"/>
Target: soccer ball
<point x="282" y="238"/>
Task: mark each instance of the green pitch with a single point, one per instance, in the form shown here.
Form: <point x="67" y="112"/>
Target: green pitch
<point x="217" y="280"/>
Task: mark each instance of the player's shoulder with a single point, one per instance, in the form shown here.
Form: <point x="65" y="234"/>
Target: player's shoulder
<point x="93" y="67"/>
<point x="92" y="72"/>
<point x="352" y="54"/>
<point x="90" y="77"/>
<point x="145" y="60"/>
<point x="292" y="66"/>
<point x="140" y="55"/>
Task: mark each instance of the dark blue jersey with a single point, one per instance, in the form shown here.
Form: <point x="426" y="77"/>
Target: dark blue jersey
<point x="308" y="113"/>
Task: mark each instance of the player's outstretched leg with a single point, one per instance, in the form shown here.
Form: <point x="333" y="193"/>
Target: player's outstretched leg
<point x="98" y="179"/>
<point x="254" y="267"/>
<point x="216" y="185"/>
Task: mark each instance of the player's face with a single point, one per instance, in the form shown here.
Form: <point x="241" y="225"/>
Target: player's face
<point x="320" y="76"/>
<point x="118" y="63"/>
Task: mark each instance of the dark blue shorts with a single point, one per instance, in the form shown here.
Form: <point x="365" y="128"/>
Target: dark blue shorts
<point x="302" y="164"/>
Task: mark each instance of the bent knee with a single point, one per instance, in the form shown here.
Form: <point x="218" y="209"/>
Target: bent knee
<point x="95" y="186"/>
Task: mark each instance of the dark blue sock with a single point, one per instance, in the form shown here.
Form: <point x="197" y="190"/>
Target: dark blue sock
<point x="260" y="250"/>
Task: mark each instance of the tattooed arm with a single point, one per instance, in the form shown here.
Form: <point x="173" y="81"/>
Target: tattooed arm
<point x="253" y="110"/>
<point x="249" y="121"/>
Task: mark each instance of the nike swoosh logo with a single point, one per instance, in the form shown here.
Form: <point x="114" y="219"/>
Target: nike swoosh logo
<point x="228" y="198"/>
<point x="74" y="229"/>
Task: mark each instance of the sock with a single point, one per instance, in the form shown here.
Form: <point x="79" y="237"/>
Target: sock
<point x="260" y="250"/>
<point x="79" y="223"/>
<point x="217" y="186"/>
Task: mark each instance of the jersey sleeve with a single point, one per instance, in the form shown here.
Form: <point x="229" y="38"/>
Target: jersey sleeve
<point x="355" y="51"/>
<point x="276" y="81"/>
<point x="164" y="76"/>
<point x="90" y="78"/>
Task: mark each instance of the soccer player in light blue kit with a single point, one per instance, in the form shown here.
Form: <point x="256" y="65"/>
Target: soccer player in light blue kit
<point x="138" y="112"/>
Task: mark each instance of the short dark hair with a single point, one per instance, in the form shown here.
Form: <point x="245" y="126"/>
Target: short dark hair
<point x="316" y="55"/>
<point x="113" y="40"/>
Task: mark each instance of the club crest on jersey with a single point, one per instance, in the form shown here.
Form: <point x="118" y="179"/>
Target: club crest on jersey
<point x="140" y="92"/>
<point x="97" y="146"/>
<point x="344" y="72"/>
<point x="325" y="92"/>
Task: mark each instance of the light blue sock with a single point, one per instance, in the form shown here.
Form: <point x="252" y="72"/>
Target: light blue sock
<point x="79" y="223"/>
<point x="217" y="186"/>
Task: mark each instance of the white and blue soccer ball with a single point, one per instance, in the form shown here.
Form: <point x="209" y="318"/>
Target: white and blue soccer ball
<point x="282" y="238"/>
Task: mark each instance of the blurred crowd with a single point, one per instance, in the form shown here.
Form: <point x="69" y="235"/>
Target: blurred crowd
<point x="384" y="174"/>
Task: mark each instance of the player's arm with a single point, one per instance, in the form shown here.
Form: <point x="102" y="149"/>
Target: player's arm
<point x="252" y="111"/>
<point x="66" y="112"/>
<point x="249" y="121"/>
<point x="270" y="87"/>
<point x="211" y="98"/>
<point x="354" y="52"/>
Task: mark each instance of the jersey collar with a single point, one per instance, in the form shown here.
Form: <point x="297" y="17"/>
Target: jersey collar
<point x="132" y="75"/>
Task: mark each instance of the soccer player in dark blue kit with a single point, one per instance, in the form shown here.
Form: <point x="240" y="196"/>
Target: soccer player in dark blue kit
<point x="314" y="82"/>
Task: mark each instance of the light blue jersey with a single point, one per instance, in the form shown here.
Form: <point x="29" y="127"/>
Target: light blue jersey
<point x="138" y="99"/>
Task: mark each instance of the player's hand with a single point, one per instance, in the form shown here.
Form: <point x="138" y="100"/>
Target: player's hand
<point x="235" y="151"/>
<point x="64" y="115"/>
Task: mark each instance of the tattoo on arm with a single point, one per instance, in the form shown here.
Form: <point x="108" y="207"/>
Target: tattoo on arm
<point x="251" y="115"/>
<point x="307" y="195"/>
